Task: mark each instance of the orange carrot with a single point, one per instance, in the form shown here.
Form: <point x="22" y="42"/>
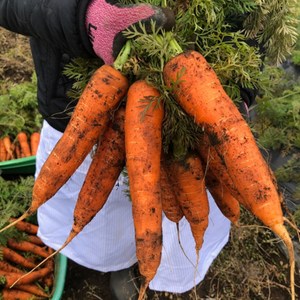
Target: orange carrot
<point x="33" y="289"/>
<point x="107" y="164"/>
<point x="13" y="256"/>
<point x="26" y="246"/>
<point x="34" y="142"/>
<point x="5" y="266"/>
<point x="227" y="204"/>
<point x="89" y="120"/>
<point x="191" y="194"/>
<point x="25" y="226"/>
<point x="14" y="294"/>
<point x="24" y="144"/>
<point x="170" y="205"/>
<point x="2" y="151"/>
<point x="34" y="239"/>
<point x="199" y="92"/>
<point x="17" y="151"/>
<point x="15" y="279"/>
<point x="8" y="147"/>
<point x="143" y="143"/>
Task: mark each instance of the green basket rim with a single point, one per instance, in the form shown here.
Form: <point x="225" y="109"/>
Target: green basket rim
<point x="60" y="276"/>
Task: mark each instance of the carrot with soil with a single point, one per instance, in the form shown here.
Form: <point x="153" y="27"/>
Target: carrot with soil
<point x="2" y="151"/>
<point x="34" y="142"/>
<point x="89" y="120"/>
<point x="198" y="91"/>
<point x="13" y="294"/>
<point x="8" y="147"/>
<point x="143" y="145"/>
<point x="27" y="246"/>
<point x="189" y="182"/>
<point x="24" y="144"/>
<point x="14" y="257"/>
<point x="107" y="164"/>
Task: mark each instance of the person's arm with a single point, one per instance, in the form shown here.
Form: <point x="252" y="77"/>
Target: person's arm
<point x="79" y="26"/>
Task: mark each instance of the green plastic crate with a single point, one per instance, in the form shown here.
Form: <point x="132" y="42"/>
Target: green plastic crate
<point x="20" y="166"/>
<point x="59" y="276"/>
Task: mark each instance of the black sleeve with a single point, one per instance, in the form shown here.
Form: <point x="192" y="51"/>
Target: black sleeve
<point x="59" y="22"/>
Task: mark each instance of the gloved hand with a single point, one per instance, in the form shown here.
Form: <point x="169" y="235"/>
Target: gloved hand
<point x="106" y="19"/>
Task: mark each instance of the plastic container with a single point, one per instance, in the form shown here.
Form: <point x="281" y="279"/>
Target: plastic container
<point x="18" y="166"/>
<point x="59" y="276"/>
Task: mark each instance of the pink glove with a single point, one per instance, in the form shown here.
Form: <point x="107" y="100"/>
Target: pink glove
<point x="106" y="21"/>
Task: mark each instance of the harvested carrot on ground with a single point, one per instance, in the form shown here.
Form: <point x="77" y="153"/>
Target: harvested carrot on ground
<point x="107" y="164"/>
<point x="27" y="246"/>
<point x="34" y="142"/>
<point x="34" y="239"/>
<point x="191" y="194"/>
<point x="89" y="120"/>
<point x="143" y="145"/>
<point x="24" y="144"/>
<point x="197" y="89"/>
<point x="14" y="257"/>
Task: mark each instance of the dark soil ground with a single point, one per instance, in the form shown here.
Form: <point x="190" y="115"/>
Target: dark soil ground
<point x="251" y="267"/>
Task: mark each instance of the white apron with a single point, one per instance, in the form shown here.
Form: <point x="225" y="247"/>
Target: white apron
<point x="108" y="244"/>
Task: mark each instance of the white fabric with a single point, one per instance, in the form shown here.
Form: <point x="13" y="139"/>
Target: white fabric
<point x="107" y="243"/>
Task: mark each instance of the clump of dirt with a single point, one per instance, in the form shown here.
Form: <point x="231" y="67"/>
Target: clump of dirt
<point x="16" y="63"/>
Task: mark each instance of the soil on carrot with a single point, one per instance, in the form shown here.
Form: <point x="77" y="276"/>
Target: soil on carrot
<point x="251" y="266"/>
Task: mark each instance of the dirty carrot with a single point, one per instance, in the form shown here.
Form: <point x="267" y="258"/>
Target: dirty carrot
<point x="5" y="266"/>
<point x="13" y="256"/>
<point x="25" y="226"/>
<point x="191" y="194"/>
<point x="169" y="200"/>
<point x="15" y="279"/>
<point x="24" y="144"/>
<point x="34" y="239"/>
<point x="89" y="120"/>
<point x="27" y="246"/>
<point x="143" y="143"/>
<point x="14" y="294"/>
<point x="197" y="89"/>
<point x="2" y="151"/>
<point x="8" y="147"/>
<point x="227" y="204"/>
<point x="106" y="166"/>
<point x="33" y="289"/>
<point x="34" y="142"/>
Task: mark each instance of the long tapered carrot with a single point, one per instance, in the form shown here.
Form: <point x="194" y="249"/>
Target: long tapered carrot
<point x="33" y="289"/>
<point x="15" y="257"/>
<point x="89" y="120"/>
<point x="5" y="266"/>
<point x="27" y="246"/>
<point x="15" y="294"/>
<point x="198" y="91"/>
<point x="189" y="182"/>
<point x="170" y="204"/>
<point x="15" y="279"/>
<point x="106" y="166"/>
<point x="227" y="204"/>
<point x="34" y="142"/>
<point x="2" y="151"/>
<point x="143" y="143"/>
<point x="25" y="226"/>
<point x="24" y="144"/>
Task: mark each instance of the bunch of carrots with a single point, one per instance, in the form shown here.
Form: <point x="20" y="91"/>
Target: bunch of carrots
<point x="23" y="145"/>
<point x="128" y="133"/>
<point x="21" y="252"/>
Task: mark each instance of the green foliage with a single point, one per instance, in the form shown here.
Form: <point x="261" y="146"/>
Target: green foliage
<point x="15" y="197"/>
<point x="19" y="108"/>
